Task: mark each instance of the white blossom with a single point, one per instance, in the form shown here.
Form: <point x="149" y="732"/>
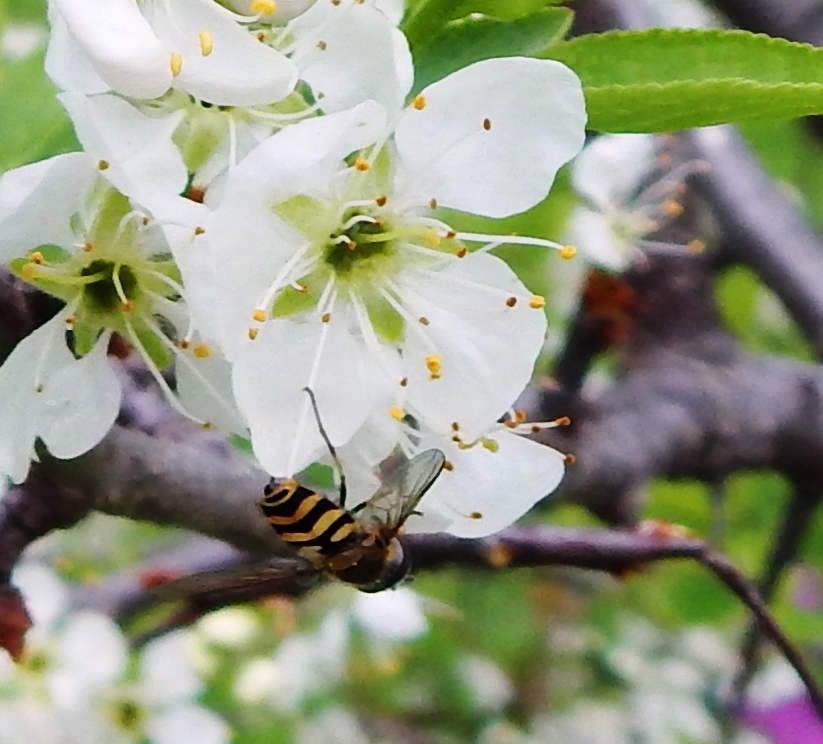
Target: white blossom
<point x="335" y="272"/>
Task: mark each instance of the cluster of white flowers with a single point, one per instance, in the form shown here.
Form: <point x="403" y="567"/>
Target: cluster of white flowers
<point x="258" y="200"/>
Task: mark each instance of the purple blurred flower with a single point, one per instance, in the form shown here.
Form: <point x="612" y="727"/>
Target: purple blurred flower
<point x="791" y="721"/>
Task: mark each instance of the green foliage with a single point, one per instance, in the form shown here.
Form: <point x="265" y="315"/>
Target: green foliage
<point x="667" y="79"/>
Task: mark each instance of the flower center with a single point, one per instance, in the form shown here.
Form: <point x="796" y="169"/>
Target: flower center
<point x="115" y="285"/>
<point x="360" y="243"/>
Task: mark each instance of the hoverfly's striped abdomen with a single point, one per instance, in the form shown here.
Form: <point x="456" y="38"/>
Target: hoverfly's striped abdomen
<point x="310" y="522"/>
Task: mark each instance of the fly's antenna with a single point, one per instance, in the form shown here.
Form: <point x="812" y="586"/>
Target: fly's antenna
<point x="332" y="450"/>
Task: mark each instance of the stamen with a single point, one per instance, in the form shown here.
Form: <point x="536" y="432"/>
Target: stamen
<point x="537" y="302"/>
<point x="487" y="124"/>
<point x="201" y="351"/>
<point x="206" y="43"/>
<point x="127" y="304"/>
<point x="419" y="102"/>
<point x="361" y="164"/>
<point x="434" y="363"/>
<point x="253" y="333"/>
<point x="175" y="63"/>
<point x="397" y="413"/>
<point x="260" y="315"/>
<point x="263" y="7"/>
<point x="508" y="240"/>
<point x="568" y="251"/>
<point x="36" y="257"/>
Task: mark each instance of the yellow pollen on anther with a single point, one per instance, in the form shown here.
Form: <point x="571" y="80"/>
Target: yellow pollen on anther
<point x="537" y="301"/>
<point x="487" y="124"/>
<point x="672" y="208"/>
<point x="380" y="201"/>
<point x="88" y="247"/>
<point x="434" y="363"/>
<point x="489" y="444"/>
<point x="397" y="413"/>
<point x="128" y="306"/>
<point x="570" y="459"/>
<point x="325" y="317"/>
<point x="259" y="315"/>
<point x="103" y="165"/>
<point x="201" y="351"/>
<point x="511" y="302"/>
<point x="199" y="230"/>
<point x="419" y="102"/>
<point x="175" y="63"/>
<point x="568" y="251"/>
<point x="563" y="421"/>
<point x="433" y="203"/>
<point x="448" y="465"/>
<point x="36" y="257"/>
<point x="253" y="333"/>
<point x="322" y="45"/>
<point x="461" y="251"/>
<point x="206" y="43"/>
<point x="263" y="7"/>
<point x="362" y="164"/>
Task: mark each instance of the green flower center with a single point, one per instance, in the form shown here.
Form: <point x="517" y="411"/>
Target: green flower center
<point x="359" y="247"/>
<point x="112" y="282"/>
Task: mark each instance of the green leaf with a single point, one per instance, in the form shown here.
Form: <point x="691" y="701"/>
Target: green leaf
<point x="667" y="79"/>
<point x="476" y="38"/>
<point x="33" y="125"/>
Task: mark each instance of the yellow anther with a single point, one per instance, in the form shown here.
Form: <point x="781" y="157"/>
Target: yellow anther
<point x="260" y="315"/>
<point x="419" y="102"/>
<point x="423" y="320"/>
<point x="71" y="320"/>
<point x="206" y="43"/>
<point x="201" y="351"/>
<point x="570" y="459"/>
<point x="361" y="164"/>
<point x="475" y="515"/>
<point x="448" y="465"/>
<point x="207" y="426"/>
<point x="199" y="230"/>
<point x="672" y="208"/>
<point x="184" y="343"/>
<point x="455" y="426"/>
<point x="536" y="429"/>
<point x="489" y="444"/>
<point x="27" y="271"/>
<point x="253" y="333"/>
<point x="519" y="415"/>
<point x="397" y="413"/>
<point x="511" y="301"/>
<point x="563" y="421"/>
<point x="433" y="203"/>
<point x="568" y="251"/>
<point x="510" y="424"/>
<point x="461" y="251"/>
<point x="36" y="257"/>
<point x="127" y="306"/>
<point x="322" y="45"/>
<point x="404" y="382"/>
<point x="325" y="317"/>
<point x="175" y="63"/>
<point x="537" y="301"/>
<point x="380" y="201"/>
<point x="88" y="247"/>
<point x="434" y="363"/>
<point x="487" y="124"/>
<point x="263" y="7"/>
<point x="432" y="238"/>
<point x="103" y="165"/>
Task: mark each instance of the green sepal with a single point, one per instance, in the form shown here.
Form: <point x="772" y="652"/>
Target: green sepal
<point x="157" y="351"/>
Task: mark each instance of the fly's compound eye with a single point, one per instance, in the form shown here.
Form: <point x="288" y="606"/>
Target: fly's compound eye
<point x="397" y="567"/>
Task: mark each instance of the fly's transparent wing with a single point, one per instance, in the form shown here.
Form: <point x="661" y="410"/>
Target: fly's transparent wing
<point x="238" y="583"/>
<point x="401" y="491"/>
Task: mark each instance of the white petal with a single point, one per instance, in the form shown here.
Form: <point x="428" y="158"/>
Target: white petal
<point x="38" y="355"/>
<point x="45" y="594"/>
<point x="395" y="616"/>
<point x="487" y="491"/>
<point x="187" y="723"/>
<point x="285" y="9"/>
<point x="92" y="649"/>
<point x="492" y="136"/>
<point x="121" y="45"/>
<point x="237" y="71"/>
<point x="610" y="168"/>
<point x="80" y="404"/>
<point x="205" y="389"/>
<point x="393" y="9"/>
<point x="138" y="148"/>
<point x="67" y="63"/>
<point x="37" y="202"/>
<point x="487" y="348"/>
<point x="269" y="380"/>
<point x="591" y="233"/>
<point x="330" y="39"/>
<point x="301" y="158"/>
<point x="166" y="672"/>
